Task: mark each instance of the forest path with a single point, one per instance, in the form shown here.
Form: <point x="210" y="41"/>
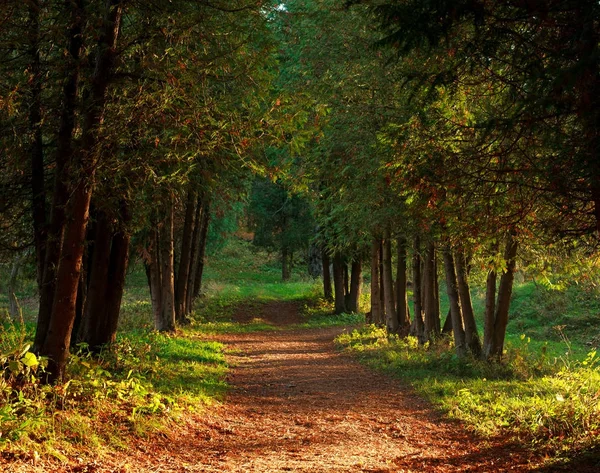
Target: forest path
<point x="299" y="405"/>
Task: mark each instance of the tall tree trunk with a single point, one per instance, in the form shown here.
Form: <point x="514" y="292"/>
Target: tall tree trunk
<point x="155" y="276"/>
<point x="338" y="284"/>
<point x="494" y="347"/>
<point x="117" y="271"/>
<point x="355" y="286"/>
<point x="453" y="297"/>
<point x="471" y="334"/>
<point x="64" y="153"/>
<point x="202" y="249"/>
<point x="166" y="249"/>
<point x="56" y="345"/>
<point x="391" y="320"/>
<point x="181" y="286"/>
<point x="194" y="255"/>
<point x="327" y="289"/>
<point x="417" y="327"/>
<point x="375" y="283"/>
<point x="37" y="145"/>
<point x="381" y="285"/>
<point x="432" y="318"/>
<point x="401" y="289"/>
<point x="94" y="313"/>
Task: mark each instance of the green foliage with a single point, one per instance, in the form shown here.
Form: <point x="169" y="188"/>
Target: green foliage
<point x="548" y="401"/>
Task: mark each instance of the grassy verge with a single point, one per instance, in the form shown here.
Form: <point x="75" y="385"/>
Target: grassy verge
<point x="549" y="402"/>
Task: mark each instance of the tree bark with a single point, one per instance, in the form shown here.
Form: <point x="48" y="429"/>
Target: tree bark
<point x="494" y="347"/>
<point x="202" y="250"/>
<point x="60" y="195"/>
<point x="338" y="284"/>
<point x="471" y="335"/>
<point x="375" y="284"/>
<point x="453" y="297"/>
<point x="285" y="268"/>
<point x="355" y="286"/>
<point x="166" y="322"/>
<point x="391" y="320"/>
<point x="327" y="289"/>
<point x="401" y="289"/>
<point x="155" y="277"/>
<point x="417" y="327"/>
<point x="117" y="271"/>
<point x="94" y="313"/>
<point x="432" y="318"/>
<point x="194" y="255"/>
<point x="181" y="286"/>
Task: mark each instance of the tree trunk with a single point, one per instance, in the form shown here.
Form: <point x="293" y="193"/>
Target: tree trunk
<point x="494" y="347"/>
<point x="401" y="290"/>
<point x="94" y="313"/>
<point x="155" y="277"/>
<point x="315" y="266"/>
<point x="60" y="196"/>
<point x="338" y="284"/>
<point x="327" y="289"/>
<point x="453" y="297"/>
<point x="471" y="334"/>
<point x="355" y="286"/>
<point x="391" y="320"/>
<point x="117" y="271"/>
<point x="166" y="322"/>
<point x="202" y="249"/>
<point x="375" y="284"/>
<point x="56" y="345"/>
<point x="432" y="318"/>
<point x="194" y="255"/>
<point x="381" y="285"/>
<point x="417" y="327"/>
<point x="181" y="286"/>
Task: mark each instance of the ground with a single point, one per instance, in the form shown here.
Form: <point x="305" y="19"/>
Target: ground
<point x="299" y="405"/>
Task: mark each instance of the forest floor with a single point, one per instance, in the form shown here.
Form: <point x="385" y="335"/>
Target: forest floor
<point x="298" y="404"/>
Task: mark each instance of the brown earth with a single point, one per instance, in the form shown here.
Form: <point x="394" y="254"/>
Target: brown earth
<point x="299" y="405"/>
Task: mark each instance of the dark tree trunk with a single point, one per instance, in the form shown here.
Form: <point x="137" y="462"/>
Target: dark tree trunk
<point x="401" y="290"/>
<point x="381" y="285"/>
<point x="181" y="286"/>
<point x="494" y="346"/>
<point x="391" y="320"/>
<point x="376" y="317"/>
<point x="194" y="255"/>
<point x="453" y="297"/>
<point x="355" y="286"/>
<point x="417" y="327"/>
<point x="338" y="284"/>
<point x="432" y="318"/>
<point x="94" y="312"/>
<point x="155" y="279"/>
<point x="471" y="334"/>
<point x="117" y="271"/>
<point x="447" y="327"/>
<point x="167" y="288"/>
<point x="60" y="196"/>
<point x="202" y="250"/>
<point x="327" y="289"/>
<point x="56" y="345"/>
<point x="315" y="264"/>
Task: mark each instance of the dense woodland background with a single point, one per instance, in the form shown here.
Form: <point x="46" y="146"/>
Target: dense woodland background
<point x="411" y="155"/>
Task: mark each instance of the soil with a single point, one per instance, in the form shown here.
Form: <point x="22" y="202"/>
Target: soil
<point x="299" y="405"/>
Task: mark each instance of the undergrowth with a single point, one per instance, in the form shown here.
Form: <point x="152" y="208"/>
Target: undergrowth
<point x="541" y="399"/>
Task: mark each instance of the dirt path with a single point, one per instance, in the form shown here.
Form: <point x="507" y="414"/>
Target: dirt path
<point x="299" y="405"/>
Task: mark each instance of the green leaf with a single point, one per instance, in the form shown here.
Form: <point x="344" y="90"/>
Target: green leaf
<point x="14" y="366"/>
<point x="30" y="360"/>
